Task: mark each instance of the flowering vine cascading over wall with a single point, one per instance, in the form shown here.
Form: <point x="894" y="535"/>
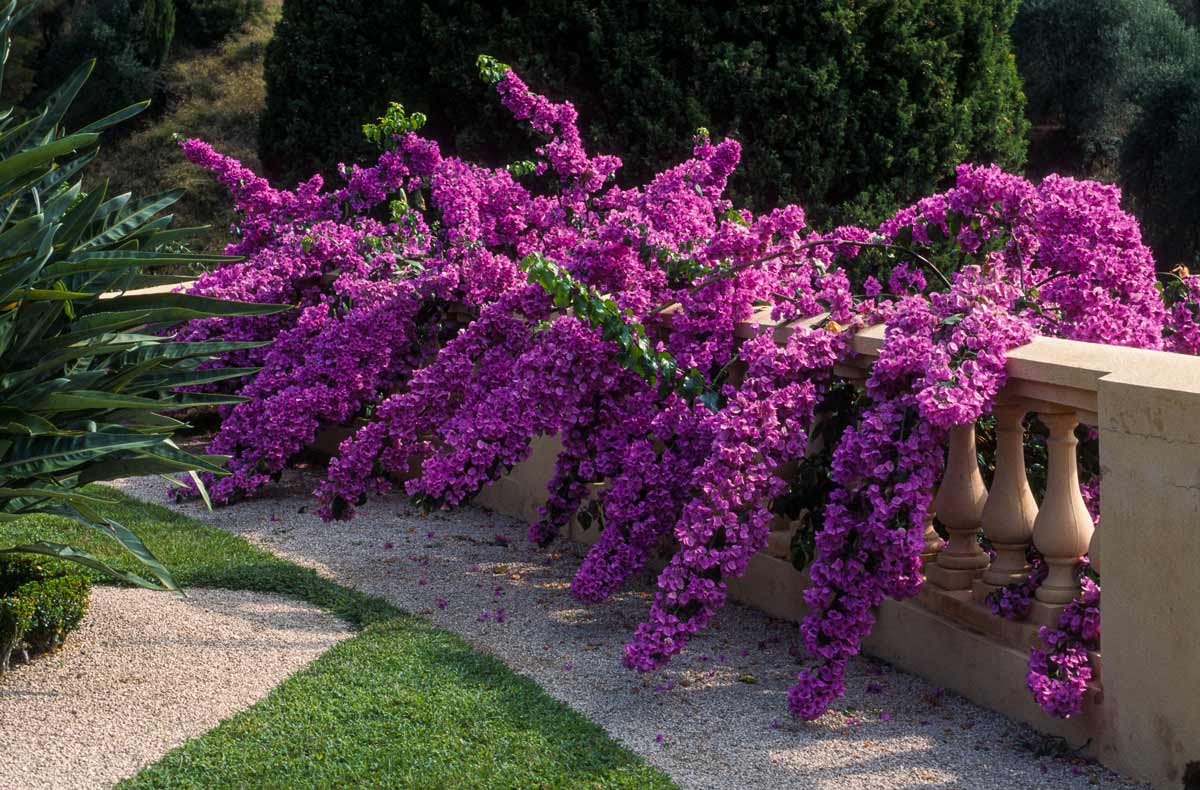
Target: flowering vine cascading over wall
<point x="763" y="425"/>
<point x="457" y="312"/>
<point x="941" y="363"/>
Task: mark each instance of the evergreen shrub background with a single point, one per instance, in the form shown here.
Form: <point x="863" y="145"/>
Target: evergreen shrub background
<point x="1114" y="92"/>
<point x="130" y="40"/>
<point x="847" y="108"/>
<point x="205" y="22"/>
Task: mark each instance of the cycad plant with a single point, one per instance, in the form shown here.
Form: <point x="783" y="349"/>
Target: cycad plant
<point x="88" y="371"/>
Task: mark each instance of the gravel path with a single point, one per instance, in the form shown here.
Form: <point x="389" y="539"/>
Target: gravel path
<point x="145" y="672"/>
<point x="715" y="718"/>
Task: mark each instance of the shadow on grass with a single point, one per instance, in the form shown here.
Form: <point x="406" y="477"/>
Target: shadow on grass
<point x="402" y="704"/>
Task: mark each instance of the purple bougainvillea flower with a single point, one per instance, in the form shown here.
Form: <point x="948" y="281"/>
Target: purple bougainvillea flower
<point x="417" y="324"/>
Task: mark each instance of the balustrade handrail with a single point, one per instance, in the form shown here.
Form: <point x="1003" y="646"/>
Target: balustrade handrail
<point x="1046" y="370"/>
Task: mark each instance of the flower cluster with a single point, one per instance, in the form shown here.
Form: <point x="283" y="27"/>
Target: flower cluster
<point x="1058" y="676"/>
<point x="644" y="497"/>
<point x="1014" y="601"/>
<point x="355" y="331"/>
<point x="1183" y="320"/>
<point x="726" y="521"/>
<point x="375" y="300"/>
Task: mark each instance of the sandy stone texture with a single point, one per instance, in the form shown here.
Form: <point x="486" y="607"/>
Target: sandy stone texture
<point x="145" y="672"/>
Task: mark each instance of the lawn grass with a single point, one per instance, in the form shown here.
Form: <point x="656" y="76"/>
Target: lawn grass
<point x="402" y="704"/>
<point x="216" y="94"/>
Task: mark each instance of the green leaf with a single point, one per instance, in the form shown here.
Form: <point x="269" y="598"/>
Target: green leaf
<point x="115" y="118"/>
<point x="179" y="351"/>
<point x="88" y="399"/>
<point x="490" y="69"/>
<point x="108" y="260"/>
<point x="51" y="295"/>
<point x="52" y="493"/>
<point x="15" y="421"/>
<point x="61" y="551"/>
<point x="189" y="400"/>
<point x="166" y="458"/>
<point x="64" y="171"/>
<point x="201" y="489"/>
<point x="187" y="306"/>
<point x="82" y="214"/>
<point x="711" y="399"/>
<point x="174" y="235"/>
<point x="142" y="213"/>
<point x="117" y="469"/>
<point x="34" y="456"/>
<point x="188" y="378"/>
<point x="18" y="274"/>
<point x="17" y="240"/>
<point x="97" y="325"/>
<point x="55" y="107"/>
<point x="18" y="165"/>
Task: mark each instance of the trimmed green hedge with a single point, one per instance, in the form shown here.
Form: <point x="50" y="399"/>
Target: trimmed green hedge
<point x="40" y="603"/>
<point x="849" y="108"/>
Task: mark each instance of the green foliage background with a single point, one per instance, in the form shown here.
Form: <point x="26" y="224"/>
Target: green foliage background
<point x="1114" y="89"/>
<point x="130" y="41"/>
<point x="847" y="108"/>
<point x="206" y="22"/>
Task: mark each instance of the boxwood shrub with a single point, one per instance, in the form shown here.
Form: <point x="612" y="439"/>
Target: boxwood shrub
<point x="40" y="603"/>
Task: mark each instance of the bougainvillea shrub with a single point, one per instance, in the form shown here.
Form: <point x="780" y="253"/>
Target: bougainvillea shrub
<point x="457" y="312"/>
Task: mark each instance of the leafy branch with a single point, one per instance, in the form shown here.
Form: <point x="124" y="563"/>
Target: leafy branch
<point x="394" y="122"/>
<point x="635" y="351"/>
<point x="490" y="69"/>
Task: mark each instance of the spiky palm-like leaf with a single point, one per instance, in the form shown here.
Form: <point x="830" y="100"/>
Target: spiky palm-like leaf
<point x="87" y="377"/>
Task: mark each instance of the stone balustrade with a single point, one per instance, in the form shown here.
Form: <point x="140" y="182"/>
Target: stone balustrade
<point x="1007" y="516"/>
<point x="1141" y="715"/>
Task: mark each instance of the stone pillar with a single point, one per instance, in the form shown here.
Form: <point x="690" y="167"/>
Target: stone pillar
<point x="959" y="505"/>
<point x="1150" y="515"/>
<point x="1063" y="526"/>
<point x="1010" y="511"/>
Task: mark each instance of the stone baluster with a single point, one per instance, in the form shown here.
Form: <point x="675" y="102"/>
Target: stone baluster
<point x="1063" y="526"/>
<point x="959" y="505"/>
<point x="1010" y="511"/>
<point x="933" y="542"/>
